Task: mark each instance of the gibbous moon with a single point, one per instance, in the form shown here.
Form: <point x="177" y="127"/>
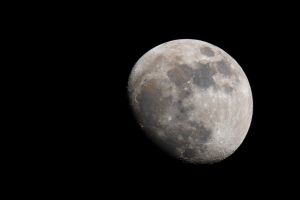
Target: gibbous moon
<point x="192" y="99"/>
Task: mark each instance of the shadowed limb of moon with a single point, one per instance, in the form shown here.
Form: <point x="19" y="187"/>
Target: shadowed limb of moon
<point x="192" y="99"/>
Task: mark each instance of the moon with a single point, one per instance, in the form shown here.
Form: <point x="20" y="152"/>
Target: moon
<point x="192" y="99"/>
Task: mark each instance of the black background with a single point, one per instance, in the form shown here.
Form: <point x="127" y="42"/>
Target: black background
<point x="85" y="138"/>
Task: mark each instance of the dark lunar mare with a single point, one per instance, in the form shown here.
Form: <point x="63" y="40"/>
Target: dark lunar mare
<point x="203" y="76"/>
<point x="224" y="68"/>
<point x="180" y="75"/>
<point x="201" y="132"/>
<point x="207" y="51"/>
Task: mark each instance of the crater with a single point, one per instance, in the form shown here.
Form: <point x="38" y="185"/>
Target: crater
<point x="228" y="88"/>
<point x="182" y="111"/>
<point x="189" y="153"/>
<point x="204" y="134"/>
<point x="203" y="148"/>
<point x="207" y="51"/>
<point x="203" y="76"/>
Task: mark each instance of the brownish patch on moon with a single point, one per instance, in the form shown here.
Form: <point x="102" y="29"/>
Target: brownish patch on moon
<point x="151" y="103"/>
<point x="149" y="67"/>
<point x="180" y="74"/>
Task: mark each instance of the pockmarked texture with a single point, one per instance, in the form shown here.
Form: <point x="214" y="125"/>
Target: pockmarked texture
<point x="192" y="99"/>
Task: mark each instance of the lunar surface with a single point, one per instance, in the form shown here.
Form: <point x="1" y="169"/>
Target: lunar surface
<point x="192" y="99"/>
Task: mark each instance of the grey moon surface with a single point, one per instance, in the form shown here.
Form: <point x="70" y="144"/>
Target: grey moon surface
<point x="192" y="99"/>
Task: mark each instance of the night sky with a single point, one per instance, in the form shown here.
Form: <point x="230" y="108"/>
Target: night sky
<point x="90" y="138"/>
